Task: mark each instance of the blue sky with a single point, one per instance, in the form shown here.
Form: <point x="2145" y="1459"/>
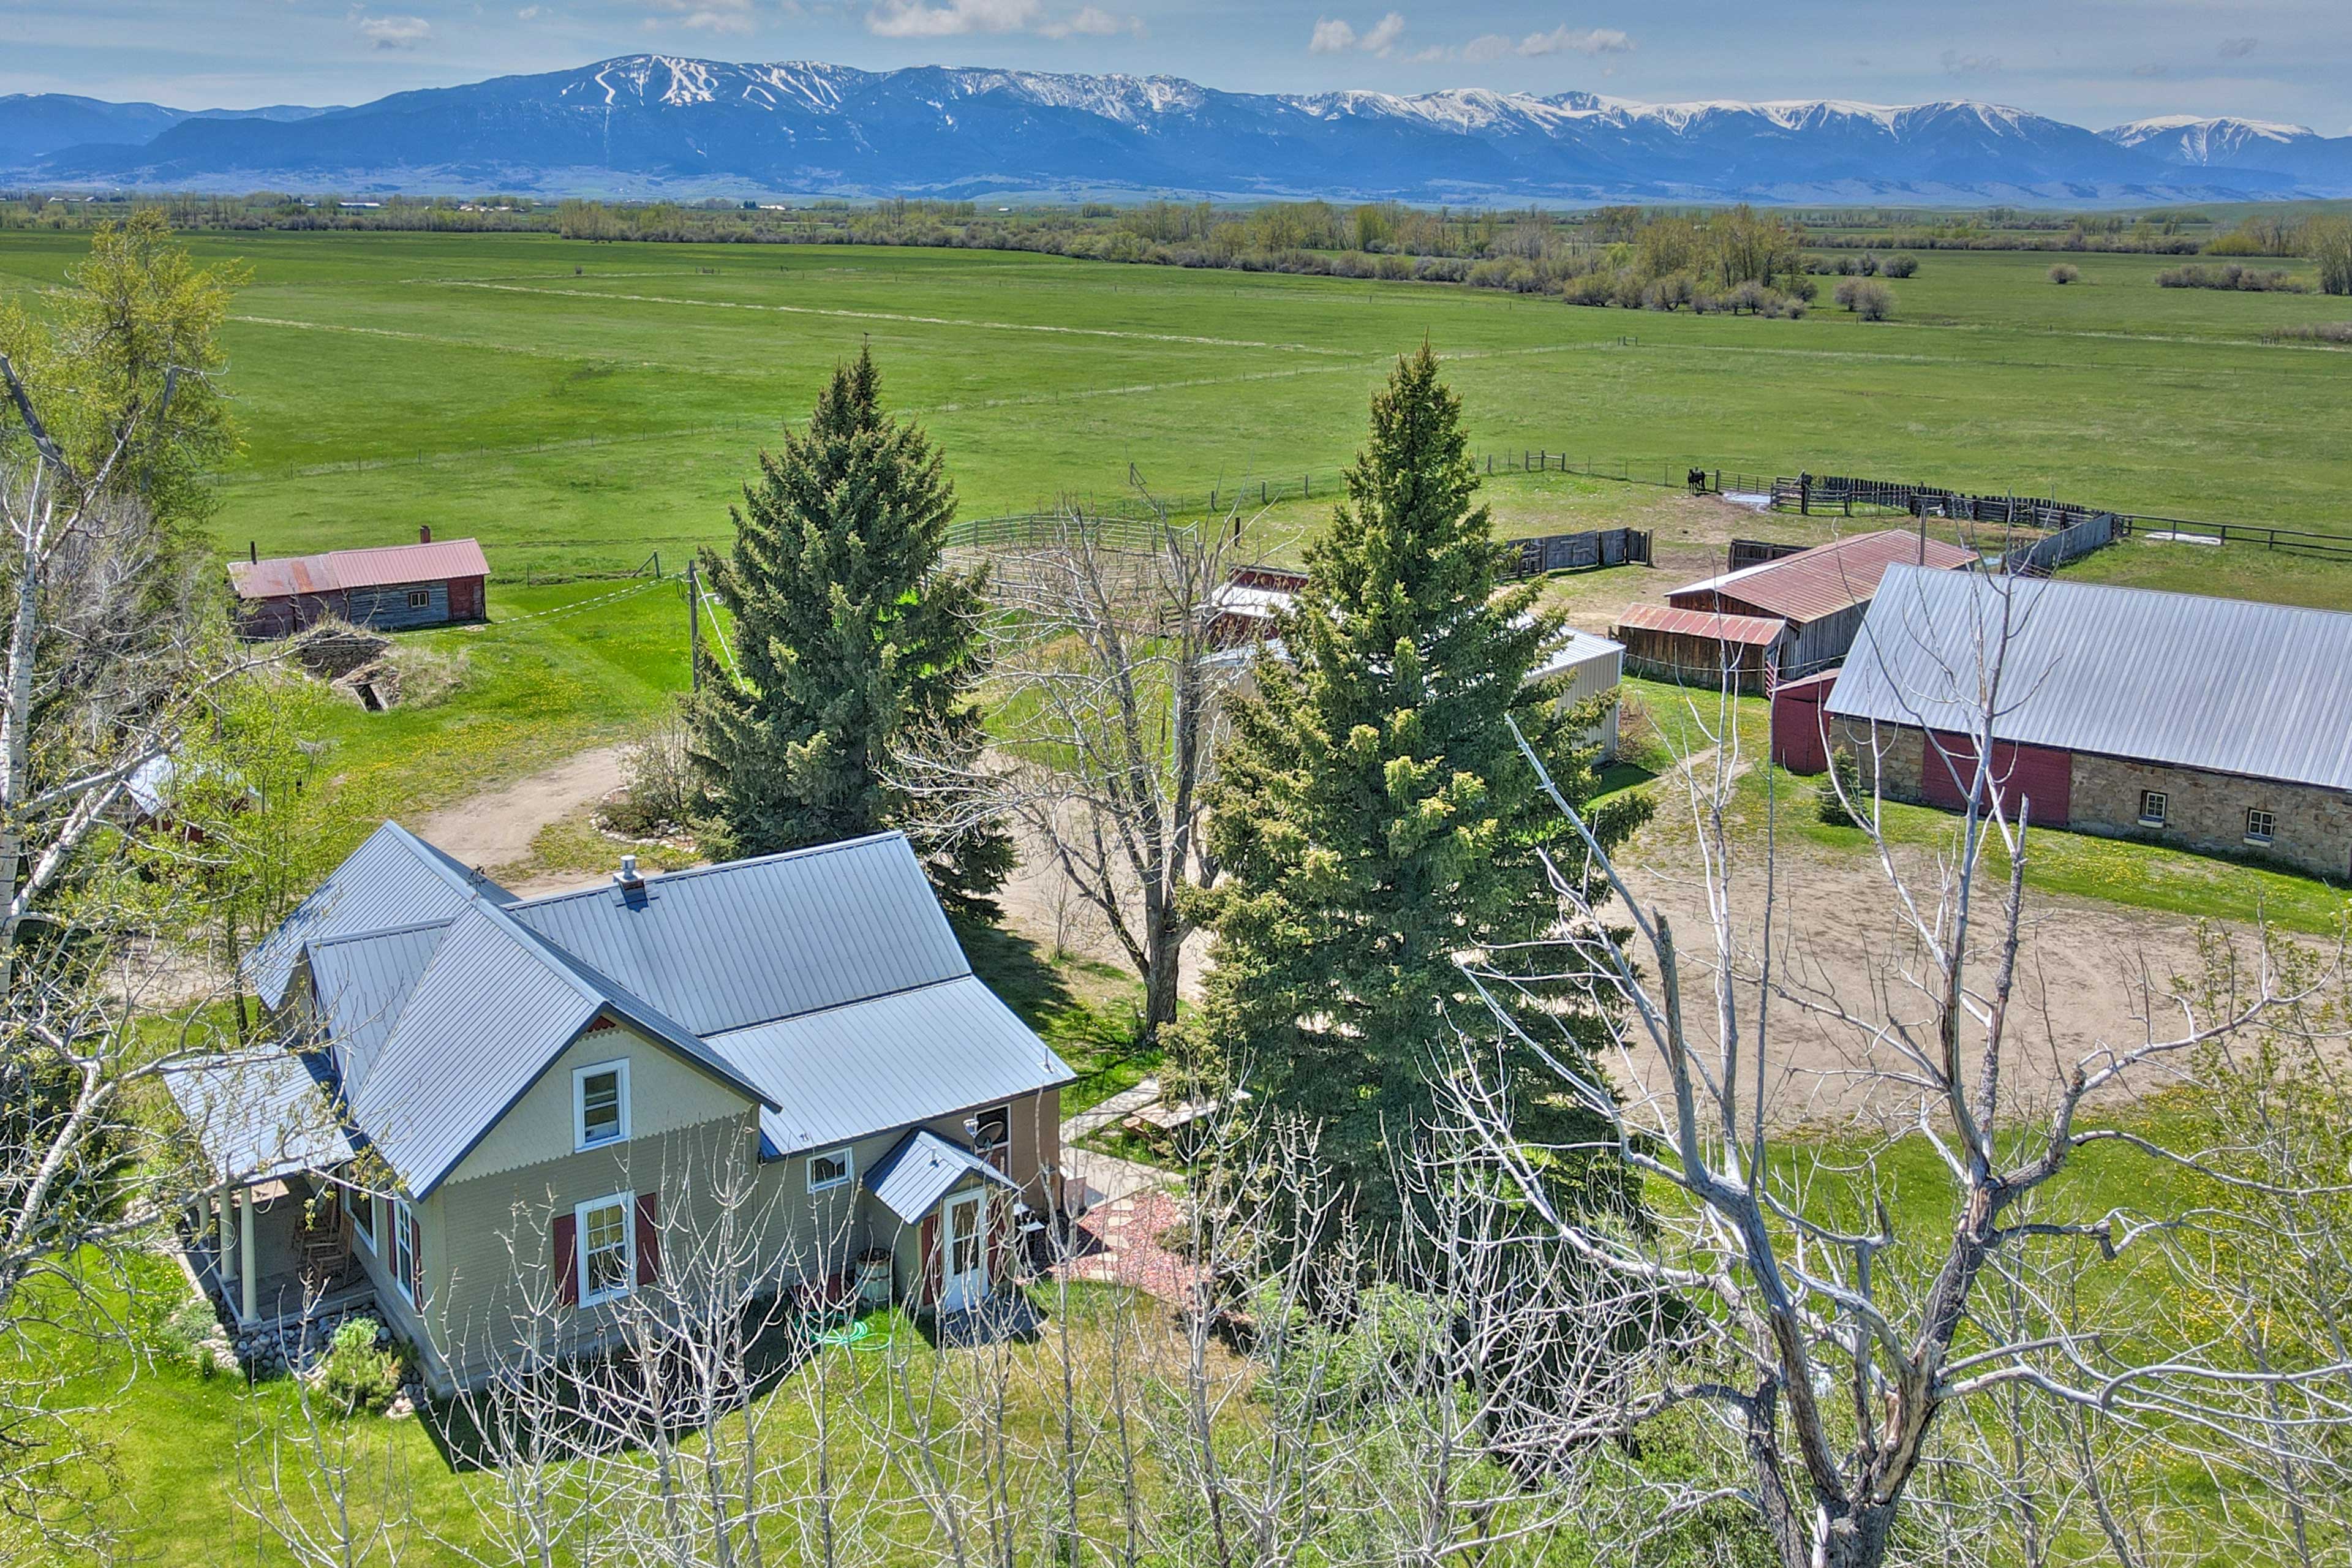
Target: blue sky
<point x="2091" y="61"/>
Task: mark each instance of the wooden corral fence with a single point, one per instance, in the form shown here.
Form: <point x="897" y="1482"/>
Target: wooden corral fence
<point x="1811" y="493"/>
<point x="1583" y="551"/>
<point x="2335" y="546"/>
<point x="2045" y="555"/>
<point x="1747" y="553"/>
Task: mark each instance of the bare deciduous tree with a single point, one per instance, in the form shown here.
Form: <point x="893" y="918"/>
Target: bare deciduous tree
<point x="1107" y="664"/>
<point x="1832" y="1328"/>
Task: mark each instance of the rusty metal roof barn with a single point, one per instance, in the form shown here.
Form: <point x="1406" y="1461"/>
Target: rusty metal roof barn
<point x="1822" y="581"/>
<point x="340" y="571"/>
<point x="2228" y="685"/>
<point x="1755" y="630"/>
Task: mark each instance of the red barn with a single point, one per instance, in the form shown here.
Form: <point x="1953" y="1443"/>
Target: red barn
<point x="391" y="588"/>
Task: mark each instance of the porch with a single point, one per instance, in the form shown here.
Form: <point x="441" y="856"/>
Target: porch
<point x="277" y="1252"/>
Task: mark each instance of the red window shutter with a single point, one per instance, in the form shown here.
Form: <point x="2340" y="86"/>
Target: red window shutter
<point x="415" y="1259"/>
<point x="648" y="1238"/>
<point x="567" y="1259"/>
<point x="928" y="1278"/>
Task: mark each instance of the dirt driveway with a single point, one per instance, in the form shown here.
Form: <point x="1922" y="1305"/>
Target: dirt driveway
<point x="496" y="827"/>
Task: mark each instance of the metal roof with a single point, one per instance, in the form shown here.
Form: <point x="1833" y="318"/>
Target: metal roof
<point x="336" y="571"/>
<point x="363" y="983"/>
<point x="395" y="879"/>
<point x="1826" y="578"/>
<point x="825" y="985"/>
<point x="726" y="946"/>
<point x="888" y="1061"/>
<point x="494" y="1006"/>
<point x="1742" y="629"/>
<point x="922" y="1168"/>
<point x="1573" y="650"/>
<point x="2227" y="685"/>
<point x="256" y="1120"/>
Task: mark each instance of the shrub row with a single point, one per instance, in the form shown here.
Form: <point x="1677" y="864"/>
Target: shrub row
<point x="2232" y="276"/>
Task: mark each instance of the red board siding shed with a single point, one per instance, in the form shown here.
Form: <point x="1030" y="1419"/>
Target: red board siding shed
<point x="1800" y="727"/>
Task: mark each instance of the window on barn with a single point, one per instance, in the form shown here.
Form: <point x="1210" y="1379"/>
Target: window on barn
<point x="600" y="1104"/>
<point x="2259" y="825"/>
<point x="2151" y="807"/>
<point x="830" y="1169"/>
<point x="407" y="1272"/>
<point x="608" y="1264"/>
<point x="420" y="598"/>
<point x="362" y="1207"/>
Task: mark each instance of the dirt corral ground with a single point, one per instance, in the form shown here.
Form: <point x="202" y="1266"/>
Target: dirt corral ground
<point x="2090" y="977"/>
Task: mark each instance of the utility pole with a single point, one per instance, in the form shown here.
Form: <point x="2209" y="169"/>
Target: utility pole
<point x="694" y="626"/>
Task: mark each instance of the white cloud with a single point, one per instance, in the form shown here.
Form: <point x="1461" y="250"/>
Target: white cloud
<point x="391" y="32"/>
<point x="1092" y="22"/>
<point x="706" y="15"/>
<point x="1383" y="36"/>
<point x="953" y="18"/>
<point x="1957" y="64"/>
<point x="2238" y="49"/>
<point x="1561" y="40"/>
<point x="1330" y="38"/>
<point x="1333" y="36"/>
<point x="2148" y="71"/>
<point x="532" y="13"/>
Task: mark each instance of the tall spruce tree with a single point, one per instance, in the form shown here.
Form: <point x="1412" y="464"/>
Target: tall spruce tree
<point x="1374" y="816"/>
<point x="848" y="634"/>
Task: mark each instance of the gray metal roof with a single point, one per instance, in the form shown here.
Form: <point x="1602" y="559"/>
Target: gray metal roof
<point x="731" y="945"/>
<point x="922" y="1168"/>
<point x="494" y="1006"/>
<point x="888" y="1061"/>
<point x="260" y="1119"/>
<point x="825" y="985"/>
<point x="362" y="983"/>
<point x="395" y="879"/>
<point x="2227" y="684"/>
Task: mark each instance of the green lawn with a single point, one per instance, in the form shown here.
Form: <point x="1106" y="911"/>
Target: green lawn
<point x="578" y="406"/>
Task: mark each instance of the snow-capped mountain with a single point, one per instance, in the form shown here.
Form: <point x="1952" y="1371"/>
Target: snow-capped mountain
<point x="657" y="123"/>
<point x="2298" y="151"/>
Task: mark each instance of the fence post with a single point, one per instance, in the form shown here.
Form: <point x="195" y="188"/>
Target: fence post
<point x="1305" y="492"/>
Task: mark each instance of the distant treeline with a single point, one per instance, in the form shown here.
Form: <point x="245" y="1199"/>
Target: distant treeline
<point x="1733" y="260"/>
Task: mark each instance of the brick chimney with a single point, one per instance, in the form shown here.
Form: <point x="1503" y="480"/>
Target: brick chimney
<point x="424" y="534"/>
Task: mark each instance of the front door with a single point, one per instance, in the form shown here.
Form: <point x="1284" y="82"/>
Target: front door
<point x="966" y="1282"/>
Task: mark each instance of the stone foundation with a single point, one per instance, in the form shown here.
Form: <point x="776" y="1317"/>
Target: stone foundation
<point x="2205" y="812"/>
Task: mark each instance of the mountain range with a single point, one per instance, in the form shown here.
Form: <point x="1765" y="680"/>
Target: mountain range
<point x="657" y="124"/>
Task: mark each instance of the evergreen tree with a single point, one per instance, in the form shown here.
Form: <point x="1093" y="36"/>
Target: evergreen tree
<point x="847" y="635"/>
<point x="1374" y="815"/>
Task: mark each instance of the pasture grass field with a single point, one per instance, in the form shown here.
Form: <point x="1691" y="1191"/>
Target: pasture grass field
<point x="578" y="406"/>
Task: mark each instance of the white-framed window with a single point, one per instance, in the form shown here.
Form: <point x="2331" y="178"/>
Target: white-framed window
<point x="830" y="1169"/>
<point x="2152" y="805"/>
<point x="607" y="1240"/>
<point x="2259" y="825"/>
<point x="405" y="1262"/>
<point x="420" y="598"/>
<point x="600" y="1104"/>
<point x="362" y="1209"/>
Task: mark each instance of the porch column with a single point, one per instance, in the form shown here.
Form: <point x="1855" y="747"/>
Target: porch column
<point x="223" y="1258"/>
<point x="244" y="1253"/>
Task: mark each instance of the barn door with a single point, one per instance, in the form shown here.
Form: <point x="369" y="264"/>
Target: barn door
<point x="2037" y="780"/>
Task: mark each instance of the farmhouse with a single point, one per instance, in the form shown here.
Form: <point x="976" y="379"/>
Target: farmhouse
<point x="1818" y="596"/>
<point x="497" y="1114"/>
<point x="390" y="588"/>
<point x="2214" y="724"/>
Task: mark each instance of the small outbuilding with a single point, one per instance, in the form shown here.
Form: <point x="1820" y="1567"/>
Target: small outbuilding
<point x="1701" y="648"/>
<point x="1820" y="594"/>
<point x="392" y="588"/>
<point x="1589" y="667"/>
<point x="2217" y="725"/>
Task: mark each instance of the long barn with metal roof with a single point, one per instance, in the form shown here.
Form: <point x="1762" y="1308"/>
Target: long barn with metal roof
<point x="481" y="1089"/>
<point x="2220" y="725"/>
